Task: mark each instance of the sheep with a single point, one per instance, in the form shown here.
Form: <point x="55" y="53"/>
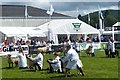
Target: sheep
<point x="12" y="60"/>
<point x="42" y="49"/>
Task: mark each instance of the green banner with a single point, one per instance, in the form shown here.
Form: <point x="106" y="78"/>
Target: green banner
<point x="83" y="46"/>
<point x="103" y="46"/>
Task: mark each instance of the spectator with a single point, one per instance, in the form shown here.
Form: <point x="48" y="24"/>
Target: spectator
<point x="109" y="47"/>
<point x="92" y="49"/>
<point x="113" y="48"/>
<point x="6" y="43"/>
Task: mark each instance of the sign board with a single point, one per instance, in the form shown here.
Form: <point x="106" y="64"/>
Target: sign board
<point x="13" y="50"/>
<point x="84" y="46"/>
<point x="76" y="26"/>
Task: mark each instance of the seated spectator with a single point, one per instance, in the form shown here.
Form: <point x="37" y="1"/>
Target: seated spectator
<point x="81" y="40"/>
<point x="55" y="65"/>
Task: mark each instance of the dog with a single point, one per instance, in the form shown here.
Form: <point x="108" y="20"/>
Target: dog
<point x="12" y="60"/>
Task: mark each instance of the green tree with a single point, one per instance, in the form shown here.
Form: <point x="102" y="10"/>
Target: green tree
<point x="109" y="20"/>
<point x="79" y="17"/>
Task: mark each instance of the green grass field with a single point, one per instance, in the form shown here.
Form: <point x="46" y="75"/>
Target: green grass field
<point x="95" y="67"/>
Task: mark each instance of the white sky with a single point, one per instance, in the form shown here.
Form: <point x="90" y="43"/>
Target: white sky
<point x="68" y="7"/>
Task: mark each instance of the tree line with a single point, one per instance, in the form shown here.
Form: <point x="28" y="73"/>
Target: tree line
<point x="110" y="18"/>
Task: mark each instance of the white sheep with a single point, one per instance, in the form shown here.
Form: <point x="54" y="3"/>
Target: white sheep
<point x="12" y="60"/>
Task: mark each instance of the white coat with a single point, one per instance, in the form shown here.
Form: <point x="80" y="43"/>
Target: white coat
<point x="56" y="64"/>
<point x="73" y="59"/>
<point x="39" y="59"/>
<point x="23" y="60"/>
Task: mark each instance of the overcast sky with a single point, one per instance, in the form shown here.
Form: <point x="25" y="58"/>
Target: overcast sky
<point x="68" y="7"/>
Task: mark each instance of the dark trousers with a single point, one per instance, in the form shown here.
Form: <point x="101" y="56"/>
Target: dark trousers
<point x="37" y="65"/>
<point x="51" y="70"/>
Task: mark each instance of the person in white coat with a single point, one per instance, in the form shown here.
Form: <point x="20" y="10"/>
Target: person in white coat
<point x="73" y="61"/>
<point x="38" y="60"/>
<point x="23" y="60"/>
<point x="92" y="49"/>
<point x="55" y="64"/>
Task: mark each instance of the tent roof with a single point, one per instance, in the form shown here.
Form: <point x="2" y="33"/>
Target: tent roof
<point x="65" y="26"/>
<point x="117" y="24"/>
<point x="32" y="32"/>
<point x="12" y="31"/>
<point x="21" y="31"/>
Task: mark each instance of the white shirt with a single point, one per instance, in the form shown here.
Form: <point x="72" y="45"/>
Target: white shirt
<point x="113" y="47"/>
<point x="92" y="48"/>
<point x="39" y="59"/>
<point x="71" y="54"/>
<point x="109" y="45"/>
<point x="73" y="59"/>
<point x="23" y="60"/>
<point x="56" y="64"/>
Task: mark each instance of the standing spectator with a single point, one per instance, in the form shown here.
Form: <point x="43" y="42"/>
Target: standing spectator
<point x="92" y="49"/>
<point x="109" y="47"/>
<point x="73" y="61"/>
<point x="113" y="49"/>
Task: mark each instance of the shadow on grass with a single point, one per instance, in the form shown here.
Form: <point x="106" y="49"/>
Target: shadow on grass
<point x="63" y="76"/>
<point x="33" y="70"/>
<point x="9" y="68"/>
<point x="28" y="70"/>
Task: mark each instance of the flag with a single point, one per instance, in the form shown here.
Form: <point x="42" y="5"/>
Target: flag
<point x="26" y="11"/>
<point x="101" y="15"/>
<point x="101" y="18"/>
<point x="88" y="18"/>
<point x="51" y="10"/>
<point x="101" y="21"/>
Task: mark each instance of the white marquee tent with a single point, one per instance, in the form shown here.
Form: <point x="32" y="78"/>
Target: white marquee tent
<point x="12" y="31"/>
<point x="21" y="31"/>
<point x="67" y="26"/>
<point x="117" y="24"/>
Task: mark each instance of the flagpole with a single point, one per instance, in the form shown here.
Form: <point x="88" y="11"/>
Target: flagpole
<point x="49" y="28"/>
<point x="77" y="10"/>
<point x="113" y="33"/>
<point x="26" y="15"/>
<point x="50" y="12"/>
<point x="99" y="24"/>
